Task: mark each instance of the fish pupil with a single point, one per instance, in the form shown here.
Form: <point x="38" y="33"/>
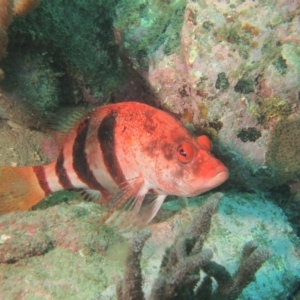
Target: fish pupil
<point x="185" y="152"/>
<point x="182" y="152"/>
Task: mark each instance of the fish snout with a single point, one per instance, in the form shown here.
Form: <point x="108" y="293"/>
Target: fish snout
<point x="210" y="177"/>
<point x="216" y="176"/>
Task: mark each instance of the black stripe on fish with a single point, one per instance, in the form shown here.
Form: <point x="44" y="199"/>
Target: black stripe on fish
<point x="80" y="162"/>
<point x="41" y="177"/>
<point x="62" y="173"/>
<point x="106" y="138"/>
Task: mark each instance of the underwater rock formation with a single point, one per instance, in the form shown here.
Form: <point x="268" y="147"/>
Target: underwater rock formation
<point x="214" y="63"/>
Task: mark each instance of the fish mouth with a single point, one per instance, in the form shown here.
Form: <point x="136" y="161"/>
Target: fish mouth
<point x="219" y="179"/>
<point x="212" y="183"/>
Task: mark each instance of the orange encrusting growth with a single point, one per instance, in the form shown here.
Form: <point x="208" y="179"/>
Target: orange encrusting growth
<point x="22" y="7"/>
<point x="8" y="9"/>
<point x="6" y="13"/>
<point x="19" y="189"/>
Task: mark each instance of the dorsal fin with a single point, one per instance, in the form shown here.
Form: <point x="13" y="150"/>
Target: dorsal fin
<point x="58" y="124"/>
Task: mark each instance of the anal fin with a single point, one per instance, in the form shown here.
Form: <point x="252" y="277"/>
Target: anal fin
<point x="91" y="195"/>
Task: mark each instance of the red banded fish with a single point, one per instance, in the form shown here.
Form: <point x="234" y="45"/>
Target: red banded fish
<point x="118" y="154"/>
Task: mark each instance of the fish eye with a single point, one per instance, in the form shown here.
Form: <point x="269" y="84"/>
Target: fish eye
<point x="185" y="152"/>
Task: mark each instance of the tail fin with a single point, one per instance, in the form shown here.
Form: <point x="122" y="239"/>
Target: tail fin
<point x="19" y="188"/>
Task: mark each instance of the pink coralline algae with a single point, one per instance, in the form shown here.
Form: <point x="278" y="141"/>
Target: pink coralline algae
<point x="32" y="234"/>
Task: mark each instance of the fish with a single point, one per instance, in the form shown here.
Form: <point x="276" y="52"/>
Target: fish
<point x="127" y="156"/>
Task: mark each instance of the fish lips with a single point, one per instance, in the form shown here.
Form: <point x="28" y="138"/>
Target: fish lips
<point x="211" y="180"/>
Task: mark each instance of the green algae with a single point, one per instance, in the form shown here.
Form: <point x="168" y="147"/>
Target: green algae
<point x="31" y="77"/>
<point x="160" y="20"/>
<point x="239" y="36"/>
<point x="222" y="82"/>
<point x="244" y="86"/>
<point x="280" y="65"/>
<point x="249" y="134"/>
<point x="77" y="40"/>
<point x="291" y="53"/>
<point x="271" y="107"/>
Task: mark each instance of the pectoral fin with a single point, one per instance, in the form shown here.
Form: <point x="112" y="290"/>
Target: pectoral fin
<point x="126" y="201"/>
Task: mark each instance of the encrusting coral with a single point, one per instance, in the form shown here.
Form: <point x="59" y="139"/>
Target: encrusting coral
<point x="180" y="268"/>
<point x="22" y="7"/>
<point x="6" y="12"/>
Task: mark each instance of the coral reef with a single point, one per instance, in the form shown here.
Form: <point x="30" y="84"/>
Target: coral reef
<point x="58" y="253"/>
<point x="180" y="268"/>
